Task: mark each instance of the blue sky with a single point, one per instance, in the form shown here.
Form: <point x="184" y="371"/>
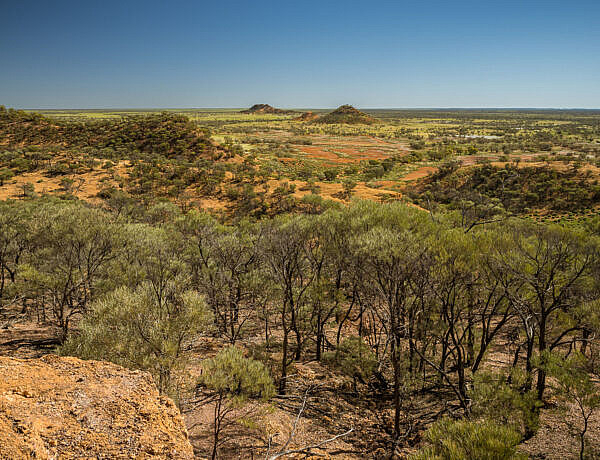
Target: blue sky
<point x="130" y="53"/>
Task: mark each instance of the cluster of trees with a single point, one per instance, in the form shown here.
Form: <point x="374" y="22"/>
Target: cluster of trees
<point x="514" y="189"/>
<point x="399" y="302"/>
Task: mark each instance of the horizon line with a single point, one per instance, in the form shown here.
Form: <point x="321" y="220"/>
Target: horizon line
<point x="310" y="108"/>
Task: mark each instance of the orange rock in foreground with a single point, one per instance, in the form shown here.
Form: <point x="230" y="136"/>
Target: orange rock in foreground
<point x="59" y="407"/>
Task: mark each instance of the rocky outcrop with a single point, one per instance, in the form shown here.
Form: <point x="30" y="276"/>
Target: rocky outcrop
<point x="59" y="407"/>
<point x="346" y="114"/>
<point x="266" y="108"/>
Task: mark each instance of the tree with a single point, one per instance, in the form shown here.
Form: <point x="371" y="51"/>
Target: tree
<point x="73" y="247"/>
<point x="14" y="238"/>
<point x="28" y="189"/>
<point x="502" y="400"/>
<point x="385" y="253"/>
<point x="233" y="380"/>
<point x="5" y="175"/>
<point x="573" y="384"/>
<point x="348" y="186"/>
<point x="236" y="279"/>
<point x="552" y="275"/>
<point x="145" y="328"/>
<point x="454" y="290"/>
<point x="285" y="242"/>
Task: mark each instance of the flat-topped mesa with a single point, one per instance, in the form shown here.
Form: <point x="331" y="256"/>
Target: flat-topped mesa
<point x="348" y="115"/>
<point x="265" y="108"/>
<point x="56" y="407"/>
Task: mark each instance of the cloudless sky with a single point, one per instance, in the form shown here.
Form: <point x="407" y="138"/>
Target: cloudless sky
<point x="301" y="53"/>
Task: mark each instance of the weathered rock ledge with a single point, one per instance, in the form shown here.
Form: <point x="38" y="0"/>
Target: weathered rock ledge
<point x="58" y="407"/>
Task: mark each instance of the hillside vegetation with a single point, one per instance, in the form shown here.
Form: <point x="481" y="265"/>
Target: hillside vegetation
<point x="166" y="134"/>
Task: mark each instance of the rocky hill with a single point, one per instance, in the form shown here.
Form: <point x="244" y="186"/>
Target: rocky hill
<point x="266" y="108"/>
<point x="348" y="115"/>
<point x="66" y="408"/>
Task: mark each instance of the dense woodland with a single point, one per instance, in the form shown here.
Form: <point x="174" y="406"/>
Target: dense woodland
<point x="494" y="315"/>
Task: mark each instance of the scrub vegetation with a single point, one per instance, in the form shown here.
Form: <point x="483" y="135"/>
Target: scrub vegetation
<point x="413" y="284"/>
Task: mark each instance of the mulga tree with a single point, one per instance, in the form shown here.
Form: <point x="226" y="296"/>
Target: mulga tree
<point x="334" y="287"/>
<point x="454" y="291"/>
<point x="391" y="243"/>
<point x="236" y="274"/>
<point x="224" y="265"/>
<point x="15" y="218"/>
<point x="284" y="246"/>
<point x="553" y="268"/>
<point x="74" y="248"/>
<point x="355" y="359"/>
<point x="232" y="381"/>
<point x="573" y="385"/>
<point x="149" y="327"/>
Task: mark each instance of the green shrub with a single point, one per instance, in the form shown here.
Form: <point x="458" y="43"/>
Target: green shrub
<point x="140" y="330"/>
<point x="469" y="440"/>
<point x="354" y="358"/>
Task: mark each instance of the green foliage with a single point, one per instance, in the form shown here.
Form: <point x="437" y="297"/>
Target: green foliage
<point x="238" y="378"/>
<point x="505" y="402"/>
<point x="572" y="379"/>
<point x="233" y="380"/>
<point x="468" y="440"/>
<point x="164" y="133"/>
<point x="515" y="188"/>
<point x="348" y="186"/>
<point x="573" y="385"/>
<point x="74" y="247"/>
<point x="5" y="175"/>
<point x="142" y="329"/>
<point x="354" y="358"/>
